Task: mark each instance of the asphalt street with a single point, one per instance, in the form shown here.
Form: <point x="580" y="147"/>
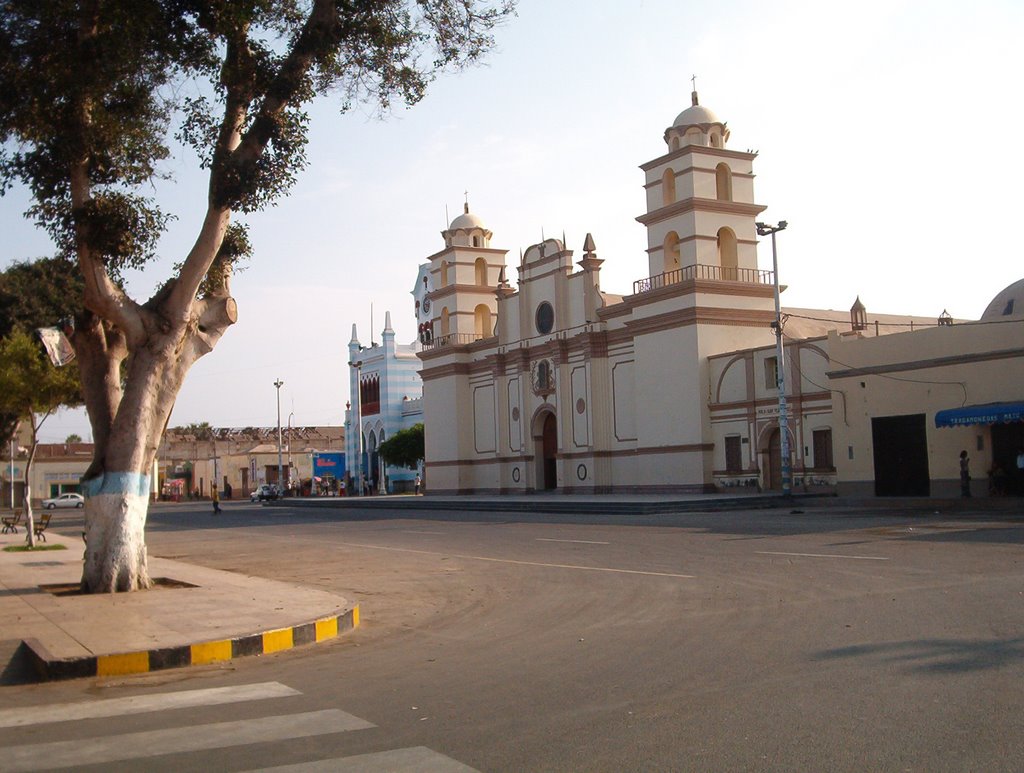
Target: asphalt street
<point x="824" y="639"/>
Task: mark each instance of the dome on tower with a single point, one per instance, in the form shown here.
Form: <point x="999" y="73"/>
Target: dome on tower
<point x="695" y="115"/>
<point x="466" y="220"/>
<point x="1008" y="304"/>
<point x="697" y="125"/>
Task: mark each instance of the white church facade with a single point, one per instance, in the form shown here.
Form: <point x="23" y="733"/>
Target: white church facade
<point x="557" y="384"/>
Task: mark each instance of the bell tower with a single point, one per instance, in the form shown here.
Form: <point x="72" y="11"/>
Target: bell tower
<point x="461" y="280"/>
<point x="700" y="203"/>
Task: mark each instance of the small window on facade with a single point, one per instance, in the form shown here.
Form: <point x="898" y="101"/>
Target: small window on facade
<point x="771" y="373"/>
<point x="723" y="182"/>
<point x="444" y="273"/>
<point x="1009" y="308"/>
<point x="733" y="454"/>
<point x="668" y="187"/>
<point x="480" y="272"/>
<point x="822" y="439"/>
<point x="545" y="318"/>
<point x="727" y="254"/>
<point x="482" y="321"/>
<point x="671" y="252"/>
<point x="543" y="375"/>
<point x="476" y="241"/>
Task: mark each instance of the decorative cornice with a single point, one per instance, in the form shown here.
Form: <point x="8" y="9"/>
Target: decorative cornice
<point x="708" y="170"/>
<point x="701" y="316"/>
<point x="694" y="149"/>
<point x="934" y="362"/>
<point x="594" y="344"/>
<point x="444" y="292"/>
<point x="440" y="371"/>
<point x="695" y="204"/>
<point x="455" y="247"/>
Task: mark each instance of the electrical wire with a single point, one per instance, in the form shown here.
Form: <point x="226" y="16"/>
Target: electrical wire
<point x="961" y="384"/>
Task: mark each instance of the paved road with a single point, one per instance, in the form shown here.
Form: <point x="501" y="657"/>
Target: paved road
<point x="727" y="641"/>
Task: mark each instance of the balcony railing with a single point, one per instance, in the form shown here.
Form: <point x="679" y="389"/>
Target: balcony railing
<point x="452" y="339"/>
<point x="714" y="273"/>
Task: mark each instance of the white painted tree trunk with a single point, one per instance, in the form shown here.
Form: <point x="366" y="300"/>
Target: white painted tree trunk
<point x="115" y="531"/>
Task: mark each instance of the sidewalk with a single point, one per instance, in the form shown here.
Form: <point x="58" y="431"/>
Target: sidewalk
<point x="658" y="504"/>
<point x="204" y="616"/>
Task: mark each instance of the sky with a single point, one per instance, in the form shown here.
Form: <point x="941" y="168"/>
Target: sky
<point x="885" y="133"/>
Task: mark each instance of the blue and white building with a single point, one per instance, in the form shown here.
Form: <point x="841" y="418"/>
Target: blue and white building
<point x="387" y="396"/>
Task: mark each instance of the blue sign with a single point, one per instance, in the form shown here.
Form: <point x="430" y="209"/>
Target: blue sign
<point x="329" y="464"/>
<point x="993" y="413"/>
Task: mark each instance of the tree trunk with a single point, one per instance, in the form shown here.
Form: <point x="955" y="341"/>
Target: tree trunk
<point x="115" y="525"/>
<point x="117" y="499"/>
<point x="118" y="485"/>
<point x="30" y="522"/>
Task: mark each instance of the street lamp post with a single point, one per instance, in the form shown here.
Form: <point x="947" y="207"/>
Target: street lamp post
<point x="763" y="229"/>
<point x="290" y="449"/>
<point x="279" y="383"/>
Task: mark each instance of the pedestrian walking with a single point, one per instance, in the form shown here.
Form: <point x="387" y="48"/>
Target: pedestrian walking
<point x="216" y="501"/>
<point x="418" y="482"/>
<point x="965" y="475"/>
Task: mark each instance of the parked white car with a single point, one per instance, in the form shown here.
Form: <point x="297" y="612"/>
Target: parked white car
<point x="264" y="492"/>
<point x="64" y="500"/>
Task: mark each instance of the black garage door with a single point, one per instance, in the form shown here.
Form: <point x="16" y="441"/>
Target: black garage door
<point x="901" y="456"/>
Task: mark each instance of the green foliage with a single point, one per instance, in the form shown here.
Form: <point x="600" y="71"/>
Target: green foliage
<point x="38" y="293"/>
<point x="33" y="548"/>
<point x="29" y="384"/>
<point x="405" y="448"/>
<point x="35" y="294"/>
<point x="97" y="88"/>
<point x="73" y="438"/>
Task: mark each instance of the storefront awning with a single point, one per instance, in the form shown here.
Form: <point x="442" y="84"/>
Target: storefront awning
<point x="991" y="413"/>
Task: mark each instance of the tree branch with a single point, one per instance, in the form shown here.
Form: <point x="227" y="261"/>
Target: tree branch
<point x="319" y="34"/>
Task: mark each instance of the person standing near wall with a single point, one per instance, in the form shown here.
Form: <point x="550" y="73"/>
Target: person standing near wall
<point x="965" y="475"/>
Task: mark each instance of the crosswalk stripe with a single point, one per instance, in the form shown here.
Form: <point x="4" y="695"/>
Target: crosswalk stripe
<point x="152" y="743"/>
<point x="416" y="759"/>
<point x="138" y="704"/>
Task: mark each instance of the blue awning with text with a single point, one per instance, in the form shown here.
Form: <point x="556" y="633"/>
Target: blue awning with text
<point x="992" y="413"/>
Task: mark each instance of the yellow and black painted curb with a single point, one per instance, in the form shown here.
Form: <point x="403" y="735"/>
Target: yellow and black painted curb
<point x="203" y="653"/>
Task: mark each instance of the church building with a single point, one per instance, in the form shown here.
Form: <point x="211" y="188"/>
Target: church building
<point x="556" y="384"/>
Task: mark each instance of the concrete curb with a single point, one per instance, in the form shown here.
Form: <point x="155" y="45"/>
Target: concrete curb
<point x="49" y="668"/>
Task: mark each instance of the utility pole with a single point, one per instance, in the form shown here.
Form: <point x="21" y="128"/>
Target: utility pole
<point x="290" y="450"/>
<point x="763" y="229"/>
<point x="280" y="477"/>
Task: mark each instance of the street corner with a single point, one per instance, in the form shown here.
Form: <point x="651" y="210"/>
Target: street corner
<point x="49" y="667"/>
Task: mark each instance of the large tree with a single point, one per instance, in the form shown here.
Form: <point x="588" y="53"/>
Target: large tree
<point x="92" y="93"/>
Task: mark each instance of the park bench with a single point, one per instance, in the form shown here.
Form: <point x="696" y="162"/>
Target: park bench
<point x="11" y="521"/>
<point x="41" y="525"/>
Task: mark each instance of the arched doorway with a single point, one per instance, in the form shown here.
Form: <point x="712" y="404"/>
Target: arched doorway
<point x="547" y="451"/>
